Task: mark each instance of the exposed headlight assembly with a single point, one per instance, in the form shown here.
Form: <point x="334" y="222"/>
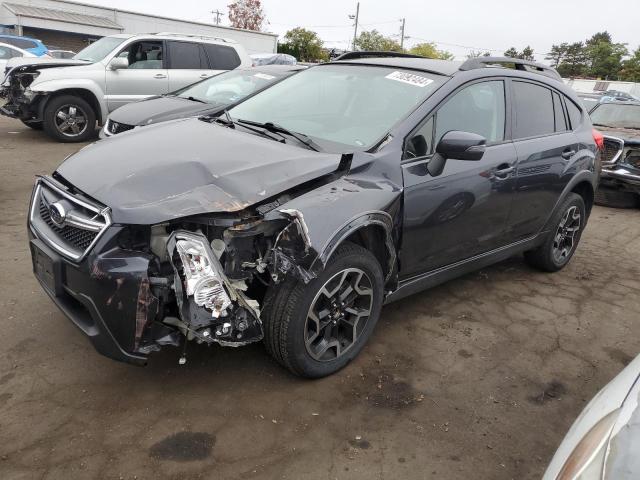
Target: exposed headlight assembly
<point x="203" y="273"/>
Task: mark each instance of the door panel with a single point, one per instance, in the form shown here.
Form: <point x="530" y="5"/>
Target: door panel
<point x="463" y="211"/>
<point x="145" y="77"/>
<point x="456" y="215"/>
<point x="543" y="172"/>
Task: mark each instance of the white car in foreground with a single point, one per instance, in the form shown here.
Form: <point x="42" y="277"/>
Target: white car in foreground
<point x="604" y="442"/>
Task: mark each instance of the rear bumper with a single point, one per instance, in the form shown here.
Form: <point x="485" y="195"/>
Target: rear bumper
<point x="107" y="296"/>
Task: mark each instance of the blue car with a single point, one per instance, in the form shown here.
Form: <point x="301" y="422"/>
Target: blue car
<point x="26" y="43"/>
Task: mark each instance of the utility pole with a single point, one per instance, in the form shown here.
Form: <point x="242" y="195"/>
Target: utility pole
<point x="355" y="30"/>
<point x="402" y="33"/>
<point x="218" y="14"/>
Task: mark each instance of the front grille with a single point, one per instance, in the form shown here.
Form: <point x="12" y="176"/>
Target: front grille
<point x="80" y="239"/>
<point x="67" y="223"/>
<point x="612" y="150"/>
<point x="115" y="128"/>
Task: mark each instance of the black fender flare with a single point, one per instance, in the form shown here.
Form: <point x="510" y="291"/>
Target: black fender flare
<point x="377" y="218"/>
<point x="583" y="176"/>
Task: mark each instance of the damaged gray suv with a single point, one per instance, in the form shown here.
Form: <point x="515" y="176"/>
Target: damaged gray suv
<point x="294" y="216"/>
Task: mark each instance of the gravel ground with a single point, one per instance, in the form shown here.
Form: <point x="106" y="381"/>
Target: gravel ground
<point x="478" y="378"/>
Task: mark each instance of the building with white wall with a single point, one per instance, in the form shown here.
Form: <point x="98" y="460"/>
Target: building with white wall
<point x="73" y="25"/>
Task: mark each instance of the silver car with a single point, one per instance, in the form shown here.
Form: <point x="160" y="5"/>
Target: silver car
<point x="604" y="442"/>
<point x="67" y="97"/>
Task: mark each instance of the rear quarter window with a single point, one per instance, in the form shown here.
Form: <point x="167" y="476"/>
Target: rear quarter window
<point x="535" y="114"/>
<point x="575" y="114"/>
<point x="221" y="57"/>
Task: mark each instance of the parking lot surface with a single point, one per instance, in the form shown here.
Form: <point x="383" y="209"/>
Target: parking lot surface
<point x="478" y="378"/>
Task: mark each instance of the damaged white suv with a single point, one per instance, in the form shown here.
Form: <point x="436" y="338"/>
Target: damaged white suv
<point x="67" y="97"/>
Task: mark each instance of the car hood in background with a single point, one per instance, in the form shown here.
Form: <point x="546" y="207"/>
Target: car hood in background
<point x="160" y="109"/>
<point x="189" y="167"/>
<point x="630" y="136"/>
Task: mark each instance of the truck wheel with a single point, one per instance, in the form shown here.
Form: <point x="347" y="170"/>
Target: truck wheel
<point x="567" y="226"/>
<point x="316" y="329"/>
<point x="33" y="125"/>
<point x="608" y="197"/>
<point x="69" y="119"/>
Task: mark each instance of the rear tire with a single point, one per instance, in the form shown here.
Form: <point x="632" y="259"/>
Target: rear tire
<point x="608" y="197"/>
<point x="562" y="241"/>
<point x="69" y="119"/>
<point x="294" y="314"/>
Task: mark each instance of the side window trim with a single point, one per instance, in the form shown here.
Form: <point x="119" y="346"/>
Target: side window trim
<point x="434" y="113"/>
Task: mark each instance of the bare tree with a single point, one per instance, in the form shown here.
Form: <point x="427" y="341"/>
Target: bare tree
<point x="247" y="14"/>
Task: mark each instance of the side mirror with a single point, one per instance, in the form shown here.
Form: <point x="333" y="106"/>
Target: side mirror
<point x="119" y="63"/>
<point x="462" y="146"/>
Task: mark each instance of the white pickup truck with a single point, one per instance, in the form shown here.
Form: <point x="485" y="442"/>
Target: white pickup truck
<point x="67" y="97"/>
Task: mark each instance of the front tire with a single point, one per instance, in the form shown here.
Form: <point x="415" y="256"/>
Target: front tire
<point x="69" y="119"/>
<point x="567" y="226"/>
<point x="609" y="197"/>
<point x="316" y="329"/>
<point x="32" y="125"/>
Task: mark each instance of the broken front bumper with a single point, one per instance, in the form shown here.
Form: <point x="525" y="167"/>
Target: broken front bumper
<point x="621" y="177"/>
<point x="107" y="296"/>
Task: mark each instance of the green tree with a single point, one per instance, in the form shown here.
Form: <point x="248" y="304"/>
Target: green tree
<point x="526" y="54"/>
<point x="557" y="54"/>
<point x="631" y="68"/>
<point x="429" y="50"/>
<point x="604" y="56"/>
<point x="478" y="53"/>
<point x="374" y="41"/>
<point x="303" y="44"/>
<point x="574" y="62"/>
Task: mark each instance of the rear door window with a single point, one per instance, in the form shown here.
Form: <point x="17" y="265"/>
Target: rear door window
<point x="221" y="57"/>
<point x="535" y="115"/>
<point x="186" y="56"/>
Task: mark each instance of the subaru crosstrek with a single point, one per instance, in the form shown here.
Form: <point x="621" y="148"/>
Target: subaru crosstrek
<point x="294" y="216"/>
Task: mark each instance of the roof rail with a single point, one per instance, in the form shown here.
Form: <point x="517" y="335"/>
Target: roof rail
<point x="523" y="65"/>
<point x="191" y="35"/>
<point x="359" y="55"/>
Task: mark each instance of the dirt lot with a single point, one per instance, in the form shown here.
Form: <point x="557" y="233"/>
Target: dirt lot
<point x="479" y="378"/>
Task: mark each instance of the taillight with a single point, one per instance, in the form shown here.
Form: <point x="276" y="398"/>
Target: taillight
<point x="599" y="139"/>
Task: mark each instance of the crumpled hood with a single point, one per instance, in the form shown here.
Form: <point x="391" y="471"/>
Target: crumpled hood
<point x="631" y="136"/>
<point x="188" y="167"/>
<point x="43" y="62"/>
<point x="160" y="109"/>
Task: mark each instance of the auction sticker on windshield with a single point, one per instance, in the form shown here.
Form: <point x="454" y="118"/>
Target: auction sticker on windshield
<point x="264" y="76"/>
<point x="409" y="78"/>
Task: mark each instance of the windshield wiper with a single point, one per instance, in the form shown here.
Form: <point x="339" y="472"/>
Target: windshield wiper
<point x="227" y="121"/>
<point x="194" y="99"/>
<point x="275" y="128"/>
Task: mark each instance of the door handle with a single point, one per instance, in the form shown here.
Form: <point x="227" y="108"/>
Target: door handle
<point x="160" y="76"/>
<point x="567" y="154"/>
<point x="504" y="170"/>
<point x="204" y="75"/>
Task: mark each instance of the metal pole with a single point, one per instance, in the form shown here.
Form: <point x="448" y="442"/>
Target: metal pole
<point x="355" y="31"/>
<point x="402" y="34"/>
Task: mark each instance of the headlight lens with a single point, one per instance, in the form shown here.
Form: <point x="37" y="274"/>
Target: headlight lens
<point x="203" y="279"/>
<point x="587" y="459"/>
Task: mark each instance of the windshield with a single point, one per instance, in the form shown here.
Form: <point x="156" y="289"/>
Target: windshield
<point x="228" y="88"/>
<point x="97" y="51"/>
<point x="354" y="106"/>
<point x="617" y="115"/>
